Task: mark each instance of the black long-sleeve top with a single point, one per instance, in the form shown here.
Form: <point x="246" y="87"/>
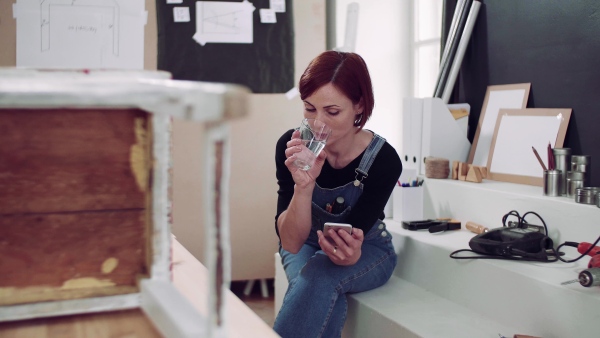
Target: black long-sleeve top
<point x="378" y="186"/>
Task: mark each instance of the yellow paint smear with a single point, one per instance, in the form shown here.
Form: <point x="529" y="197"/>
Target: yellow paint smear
<point x="109" y="265"/>
<point x="5" y="292"/>
<point x="137" y="155"/>
<point x="86" y="282"/>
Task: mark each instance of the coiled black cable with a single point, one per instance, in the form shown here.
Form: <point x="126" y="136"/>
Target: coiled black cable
<point x="522" y="223"/>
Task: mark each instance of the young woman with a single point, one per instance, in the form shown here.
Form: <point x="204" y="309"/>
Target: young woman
<point x="357" y="165"/>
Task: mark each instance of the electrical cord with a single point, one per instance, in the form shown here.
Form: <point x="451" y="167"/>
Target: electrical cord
<point x="575" y="244"/>
<point x="523" y="256"/>
<point x="522" y="222"/>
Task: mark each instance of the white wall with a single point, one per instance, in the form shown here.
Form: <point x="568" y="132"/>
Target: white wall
<point x="253" y="187"/>
<point x="384" y="41"/>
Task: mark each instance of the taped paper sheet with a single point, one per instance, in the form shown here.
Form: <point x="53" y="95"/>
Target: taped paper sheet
<point x="181" y="14"/>
<point x="80" y="33"/>
<point x="278" y="6"/>
<point x="224" y="22"/>
<point x="267" y="16"/>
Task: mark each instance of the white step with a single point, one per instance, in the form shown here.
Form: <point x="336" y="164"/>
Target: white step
<point x="527" y="296"/>
<point x="402" y="309"/>
<point x="433" y="295"/>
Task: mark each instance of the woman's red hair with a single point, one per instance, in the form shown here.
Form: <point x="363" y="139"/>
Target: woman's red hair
<point x="347" y="72"/>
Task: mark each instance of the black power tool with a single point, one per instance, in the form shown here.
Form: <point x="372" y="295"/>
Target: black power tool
<point x="514" y="243"/>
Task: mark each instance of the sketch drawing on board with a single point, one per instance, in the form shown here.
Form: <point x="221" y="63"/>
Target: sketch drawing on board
<point x="74" y="34"/>
<point x="107" y="9"/>
<point x="224" y="22"/>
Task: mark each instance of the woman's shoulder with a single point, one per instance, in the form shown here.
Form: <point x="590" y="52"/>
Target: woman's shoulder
<point x="283" y="139"/>
<point x="281" y="145"/>
<point x="286" y="136"/>
<point x="388" y="161"/>
<point x="390" y="154"/>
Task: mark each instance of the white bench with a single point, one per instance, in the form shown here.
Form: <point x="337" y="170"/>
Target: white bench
<point x="432" y="295"/>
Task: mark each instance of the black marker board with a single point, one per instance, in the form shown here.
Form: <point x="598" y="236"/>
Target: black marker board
<point x="552" y="44"/>
<point x="265" y="66"/>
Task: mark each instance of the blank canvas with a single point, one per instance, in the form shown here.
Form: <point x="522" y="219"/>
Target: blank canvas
<point x="516" y="132"/>
<point x="498" y="97"/>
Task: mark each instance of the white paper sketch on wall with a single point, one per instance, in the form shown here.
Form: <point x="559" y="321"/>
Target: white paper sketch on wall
<point x="224" y="22"/>
<point x="80" y="33"/>
<point x="105" y="10"/>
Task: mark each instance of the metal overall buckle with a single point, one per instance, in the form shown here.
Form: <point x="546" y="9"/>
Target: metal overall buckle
<point x="358" y="181"/>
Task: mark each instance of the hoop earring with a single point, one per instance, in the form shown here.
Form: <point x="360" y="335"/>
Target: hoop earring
<point x="358" y="120"/>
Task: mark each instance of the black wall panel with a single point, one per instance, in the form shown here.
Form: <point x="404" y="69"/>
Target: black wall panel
<point x="554" y="45"/>
<point x="265" y="66"/>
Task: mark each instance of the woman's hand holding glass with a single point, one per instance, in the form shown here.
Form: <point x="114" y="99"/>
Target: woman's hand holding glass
<point x="302" y="178"/>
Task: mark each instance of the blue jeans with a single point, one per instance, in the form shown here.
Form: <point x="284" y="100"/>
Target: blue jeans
<point x="315" y="303"/>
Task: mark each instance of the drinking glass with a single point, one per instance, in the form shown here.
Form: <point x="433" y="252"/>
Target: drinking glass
<point x="313" y="134"/>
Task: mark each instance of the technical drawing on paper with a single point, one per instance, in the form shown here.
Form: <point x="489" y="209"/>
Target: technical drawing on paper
<point x="107" y="9"/>
<point x="224" y="22"/>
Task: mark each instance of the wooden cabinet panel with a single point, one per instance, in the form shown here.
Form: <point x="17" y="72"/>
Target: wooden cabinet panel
<point x="74" y="203"/>
<point x="70" y="160"/>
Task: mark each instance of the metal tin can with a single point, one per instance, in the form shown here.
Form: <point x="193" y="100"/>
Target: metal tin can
<point x="587" y="195"/>
<point x="574" y="181"/>
<point x="552" y="182"/>
<point x="562" y="158"/>
<point x="582" y="163"/>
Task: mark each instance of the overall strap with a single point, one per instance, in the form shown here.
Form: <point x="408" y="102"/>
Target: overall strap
<point x="368" y="158"/>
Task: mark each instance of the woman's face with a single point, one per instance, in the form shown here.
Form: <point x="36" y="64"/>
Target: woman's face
<point x="329" y="105"/>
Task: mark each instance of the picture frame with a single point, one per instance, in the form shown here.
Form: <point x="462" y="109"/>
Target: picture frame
<point x="511" y="157"/>
<point x="508" y="96"/>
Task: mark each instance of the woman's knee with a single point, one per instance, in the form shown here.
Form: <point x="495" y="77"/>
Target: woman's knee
<point x="319" y="269"/>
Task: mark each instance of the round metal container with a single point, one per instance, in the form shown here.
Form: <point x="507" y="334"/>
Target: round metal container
<point x="552" y="182"/>
<point x="582" y="163"/>
<point x="575" y="179"/>
<point x="598" y="200"/>
<point x="587" y="195"/>
<point x="562" y="160"/>
<point x="577" y="160"/>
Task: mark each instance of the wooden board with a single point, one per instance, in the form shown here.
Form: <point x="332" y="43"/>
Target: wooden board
<point x="130" y="324"/>
<point x="190" y="277"/>
<point x="74" y="203"/>
<point x="73" y="255"/>
<point x="71" y="160"/>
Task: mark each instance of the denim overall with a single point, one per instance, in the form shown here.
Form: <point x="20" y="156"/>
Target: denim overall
<point x="315" y="303"/>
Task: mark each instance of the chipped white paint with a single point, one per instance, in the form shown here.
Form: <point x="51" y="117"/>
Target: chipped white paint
<point x="217" y="133"/>
<point x="161" y="202"/>
<point x="189" y="100"/>
<point x="171" y="313"/>
<point x="69" y="307"/>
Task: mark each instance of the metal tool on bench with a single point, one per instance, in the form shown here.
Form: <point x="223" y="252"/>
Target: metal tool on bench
<point x="433" y="225"/>
<point x="588" y="278"/>
<point x="515" y="241"/>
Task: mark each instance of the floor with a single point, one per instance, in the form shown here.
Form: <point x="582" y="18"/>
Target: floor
<point x="263" y="307"/>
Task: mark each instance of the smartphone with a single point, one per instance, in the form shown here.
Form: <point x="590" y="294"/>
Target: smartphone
<point x="336" y="226"/>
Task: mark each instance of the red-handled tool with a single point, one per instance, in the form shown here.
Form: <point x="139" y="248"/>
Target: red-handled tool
<point x="594" y="252"/>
